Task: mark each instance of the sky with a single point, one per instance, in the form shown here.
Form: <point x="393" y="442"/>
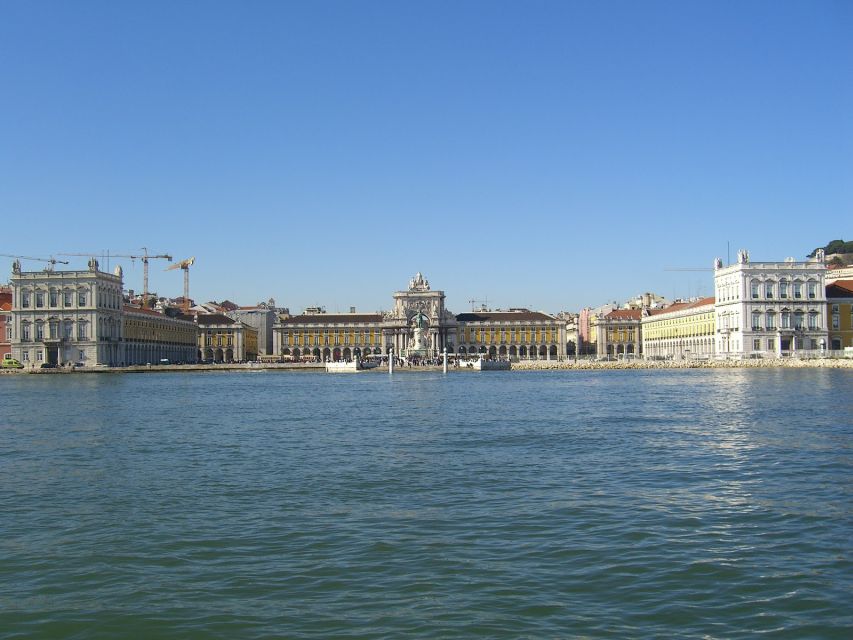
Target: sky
<point x="549" y="155"/>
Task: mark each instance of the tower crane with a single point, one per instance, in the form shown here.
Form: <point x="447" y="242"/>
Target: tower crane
<point x="52" y="261"/>
<point x="145" y="257"/>
<point x="185" y="265"/>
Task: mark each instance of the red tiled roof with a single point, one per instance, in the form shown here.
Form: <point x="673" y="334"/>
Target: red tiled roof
<point x="840" y="289"/>
<point x="132" y="309"/>
<point x="624" y="314"/>
<point x="334" y="318"/>
<point x="6" y="306"/>
<point x="504" y="316"/>
<point x="681" y="306"/>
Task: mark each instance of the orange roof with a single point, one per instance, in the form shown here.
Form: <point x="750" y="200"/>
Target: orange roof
<point x="6" y="306"/>
<point x="840" y="289"/>
<point x="624" y="314"/>
<point x="131" y="309"/>
<point x="681" y="306"/>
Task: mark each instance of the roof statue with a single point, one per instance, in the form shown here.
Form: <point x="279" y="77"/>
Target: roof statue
<point x="418" y="283"/>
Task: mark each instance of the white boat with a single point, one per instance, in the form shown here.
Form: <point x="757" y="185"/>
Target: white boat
<point x="487" y="365"/>
<point x="352" y="366"/>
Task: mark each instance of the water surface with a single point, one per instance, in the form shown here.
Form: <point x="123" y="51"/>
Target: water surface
<point x="691" y="504"/>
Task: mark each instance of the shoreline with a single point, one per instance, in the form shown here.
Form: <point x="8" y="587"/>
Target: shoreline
<point x="526" y="365"/>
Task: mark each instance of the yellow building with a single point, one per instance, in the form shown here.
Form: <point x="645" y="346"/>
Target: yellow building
<point x="681" y="330"/>
<point x="221" y="339"/>
<point x="516" y="334"/>
<point x="333" y="336"/>
<point x="616" y="333"/>
<point x="839" y="300"/>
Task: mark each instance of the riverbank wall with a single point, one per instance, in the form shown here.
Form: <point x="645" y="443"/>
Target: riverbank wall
<point x="525" y="365"/>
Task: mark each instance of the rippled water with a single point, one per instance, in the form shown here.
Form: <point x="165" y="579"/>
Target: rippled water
<point x="540" y="505"/>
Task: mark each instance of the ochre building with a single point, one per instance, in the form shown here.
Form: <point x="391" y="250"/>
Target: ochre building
<point x="419" y="327"/>
<point x="681" y="330"/>
<point x="839" y="299"/>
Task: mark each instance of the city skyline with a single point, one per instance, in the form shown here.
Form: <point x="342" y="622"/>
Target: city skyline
<point x="551" y="156"/>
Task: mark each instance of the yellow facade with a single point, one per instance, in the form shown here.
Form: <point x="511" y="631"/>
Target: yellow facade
<point x="680" y="330"/>
<point x="840" y="323"/>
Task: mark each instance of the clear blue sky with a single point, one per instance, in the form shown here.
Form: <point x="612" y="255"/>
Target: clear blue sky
<point x="544" y="154"/>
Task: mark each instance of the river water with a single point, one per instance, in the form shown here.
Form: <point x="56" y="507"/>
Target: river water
<point x="608" y="504"/>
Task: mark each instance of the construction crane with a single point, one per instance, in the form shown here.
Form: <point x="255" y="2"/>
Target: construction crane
<point x="185" y="265"/>
<point x="145" y="257"/>
<point x="50" y="260"/>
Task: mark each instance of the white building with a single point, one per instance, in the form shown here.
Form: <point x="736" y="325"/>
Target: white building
<point x="770" y="308"/>
<point x="67" y="317"/>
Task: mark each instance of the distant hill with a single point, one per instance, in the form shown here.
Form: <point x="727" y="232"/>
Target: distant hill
<point x="841" y="253"/>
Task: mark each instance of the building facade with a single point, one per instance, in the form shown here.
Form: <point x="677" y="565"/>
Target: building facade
<point x="150" y="337"/>
<point x="67" y="317"/>
<point x="321" y="337"/>
<point x="5" y="321"/>
<point x="682" y="330"/>
<point x="617" y="333"/>
<point x="839" y="300"/>
<point x="770" y="309"/>
<point x="517" y="334"/>
<point x="419" y="327"/>
<point x="262" y="317"/>
<point x="221" y="339"/>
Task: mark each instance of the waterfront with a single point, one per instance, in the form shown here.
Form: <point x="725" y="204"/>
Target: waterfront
<point x="692" y="503"/>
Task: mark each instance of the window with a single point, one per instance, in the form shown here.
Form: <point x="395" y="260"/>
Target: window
<point x="783" y="289"/>
<point x="836" y="321"/>
<point x="66" y="299"/>
<point x="54" y="299"/>
<point x="8" y="334"/>
<point x="771" y="344"/>
<point x="25" y="356"/>
<point x="756" y="345"/>
<point x="754" y="290"/>
<point x="770" y="319"/>
<point x="81" y="331"/>
<point x="66" y="330"/>
<point x="768" y="290"/>
<point x="25" y="299"/>
<point x="798" y="290"/>
<point x="39" y="299"/>
<point x="39" y="355"/>
<point x="756" y="321"/>
<point x="813" y="344"/>
<point x="812" y="290"/>
<point x="81" y="298"/>
<point x="39" y="331"/>
<point x="813" y="321"/>
<point x="798" y="319"/>
<point x="81" y="356"/>
<point x="786" y="319"/>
